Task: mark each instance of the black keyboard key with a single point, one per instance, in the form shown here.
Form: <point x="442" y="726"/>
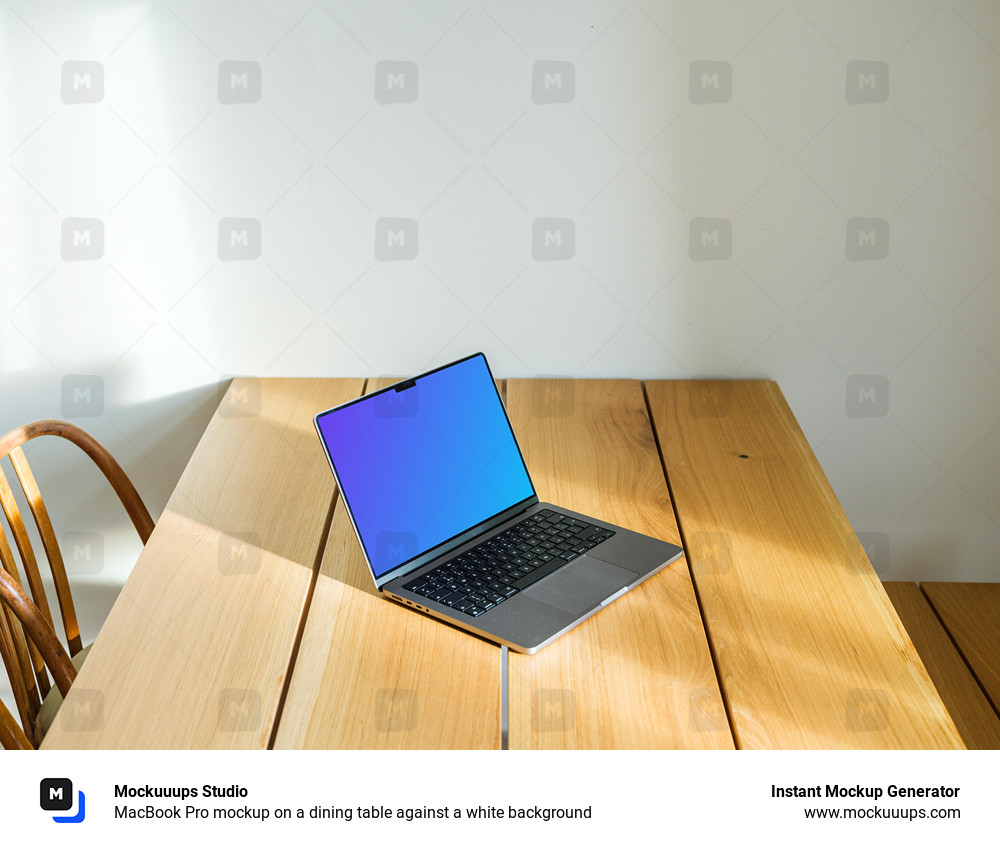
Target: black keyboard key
<point x="540" y="573"/>
<point x="498" y="568"/>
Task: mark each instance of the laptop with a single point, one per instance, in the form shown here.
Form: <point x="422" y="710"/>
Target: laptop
<point x="450" y="524"/>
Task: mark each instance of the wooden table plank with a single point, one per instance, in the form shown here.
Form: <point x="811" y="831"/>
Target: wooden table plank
<point x="639" y="674"/>
<point x="975" y="719"/>
<point x="372" y="674"/>
<point x="195" y="651"/>
<point x="971" y="613"/>
<point x="809" y="649"/>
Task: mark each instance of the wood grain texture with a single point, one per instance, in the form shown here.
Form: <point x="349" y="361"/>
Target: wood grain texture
<point x="971" y="613"/>
<point x="810" y="651"/>
<point x="38" y="630"/>
<point x="639" y="674"/>
<point x="43" y="523"/>
<point x="975" y="719"/>
<point x="196" y="649"/>
<point x="373" y="674"/>
<point x="19" y="668"/>
<point x="23" y="662"/>
<point x="12" y="736"/>
<point x="20" y="621"/>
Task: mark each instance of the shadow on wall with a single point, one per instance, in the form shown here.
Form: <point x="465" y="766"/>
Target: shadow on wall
<point x="152" y="438"/>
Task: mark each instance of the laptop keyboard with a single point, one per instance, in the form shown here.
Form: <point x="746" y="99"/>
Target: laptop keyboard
<point x="499" y="568"/>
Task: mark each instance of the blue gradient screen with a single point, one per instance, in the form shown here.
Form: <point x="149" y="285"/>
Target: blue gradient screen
<point x="420" y="466"/>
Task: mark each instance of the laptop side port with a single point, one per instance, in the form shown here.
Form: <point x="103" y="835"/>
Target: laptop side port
<point x="411" y="604"/>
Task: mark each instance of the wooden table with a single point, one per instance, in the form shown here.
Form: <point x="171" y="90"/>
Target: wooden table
<point x="250" y="619"/>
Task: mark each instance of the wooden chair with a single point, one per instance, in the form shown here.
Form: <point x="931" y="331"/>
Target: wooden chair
<point x="27" y="644"/>
<point x="14" y="649"/>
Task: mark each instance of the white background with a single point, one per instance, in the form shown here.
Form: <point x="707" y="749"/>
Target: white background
<point x="678" y="799"/>
<point x="630" y="152"/>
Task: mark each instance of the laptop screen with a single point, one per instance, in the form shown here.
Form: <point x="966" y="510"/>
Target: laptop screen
<point x="426" y="461"/>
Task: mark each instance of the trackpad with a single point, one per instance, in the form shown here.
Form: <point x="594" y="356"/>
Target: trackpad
<point x="582" y="585"/>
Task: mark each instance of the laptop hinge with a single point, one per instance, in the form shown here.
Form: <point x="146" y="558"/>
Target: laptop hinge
<point x="457" y="541"/>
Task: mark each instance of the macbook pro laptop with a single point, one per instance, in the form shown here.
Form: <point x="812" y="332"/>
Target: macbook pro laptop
<point x="449" y="521"/>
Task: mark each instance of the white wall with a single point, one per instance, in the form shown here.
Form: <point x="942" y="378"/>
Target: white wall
<point x="804" y="191"/>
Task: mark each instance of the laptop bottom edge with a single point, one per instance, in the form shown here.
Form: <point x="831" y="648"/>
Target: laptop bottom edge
<point x="562" y="619"/>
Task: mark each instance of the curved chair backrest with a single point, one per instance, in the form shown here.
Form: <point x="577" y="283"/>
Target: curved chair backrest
<point x="24" y="660"/>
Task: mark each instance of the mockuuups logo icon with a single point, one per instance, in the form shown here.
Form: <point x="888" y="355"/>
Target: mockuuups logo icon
<point x="56" y="795"/>
<point x="239" y="397"/>
<point x="395" y="82"/>
<point x="553" y="82"/>
<point x="82" y="239"/>
<point x="710" y="82"/>
<point x="401" y="403"/>
<point x="239" y="553"/>
<point x="711" y="239"/>
<point x="553" y="239"/>
<point x="867" y="396"/>
<point x="552" y="396"/>
<point x="82" y="82"/>
<point x="240" y="710"/>
<point x="867" y="82"/>
<point x="82" y="395"/>
<point x="706" y="712"/>
<point x="395" y="547"/>
<point x="239" y="82"/>
<point x="84" y="712"/>
<point x="395" y="239"/>
<point x="239" y="239"/>
<point x="83" y="552"/>
<point x="396" y="709"/>
<point x="866" y="710"/>
<point x="867" y="239"/>
<point x="711" y="552"/>
<point x="553" y="710"/>
<point x="876" y="546"/>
